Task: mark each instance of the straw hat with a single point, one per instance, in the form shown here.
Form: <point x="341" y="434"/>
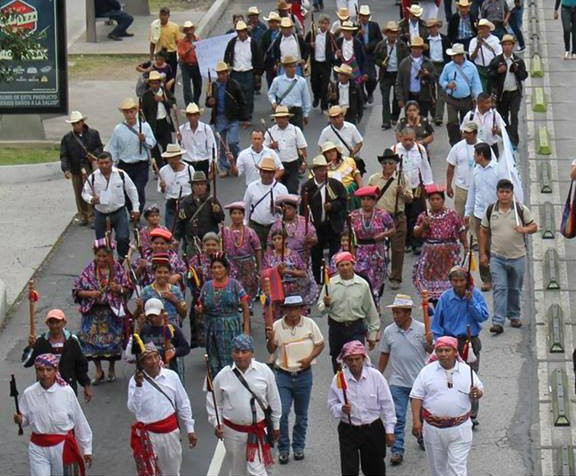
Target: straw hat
<point x="193" y="108"/>
<point x="282" y="5"/>
<point x="470" y="126"/>
<point x="364" y="10"/>
<point x="240" y="26"/>
<point x="507" y="38"/>
<point x="286" y="23"/>
<point x="281" y="111"/>
<point x="293" y="301"/>
<point x="343" y="13"/>
<point x="128" y="103"/>
<point x="417" y="42"/>
<point x="319" y="161"/>
<point x="344" y="69"/>
<point x="485" y="22"/>
<point x="390" y="26"/>
<point x="401" y="301"/>
<point x="463" y="3"/>
<point x="76" y="116"/>
<point x="329" y="145"/>
<point x="155" y="76"/>
<point x="253" y="11"/>
<point x="457" y="49"/>
<point x="199" y="176"/>
<point x="416" y="10"/>
<point x="221" y="66"/>
<point x="187" y="25"/>
<point x="434" y="22"/>
<point x="273" y="16"/>
<point x="335" y="111"/>
<point x="173" y="150"/>
<point x="288" y="59"/>
<point x="267" y="164"/>
<point x="348" y="26"/>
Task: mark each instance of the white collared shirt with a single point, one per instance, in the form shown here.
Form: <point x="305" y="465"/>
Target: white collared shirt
<point x="461" y="156"/>
<point x="344" y="94"/>
<point x="248" y="160"/>
<point x="161" y="109"/>
<point x="347" y="49"/>
<point x="55" y="411"/>
<point x="306" y="329"/>
<point x="289" y="140"/>
<point x="415" y="161"/>
<point x="176" y="181"/>
<point x="436" y="50"/>
<point x="349" y="133"/>
<point x="320" y="47"/>
<point x="199" y="143"/>
<point x="369" y="396"/>
<point x="414" y="29"/>
<point x="233" y="399"/>
<point x="289" y="47"/>
<point x="485" y="123"/>
<point x="111" y="192"/>
<point x="510" y="83"/>
<point x="242" y="55"/>
<point x="322" y="189"/>
<point x="149" y="405"/>
<point x="485" y="54"/>
<point x="431" y="386"/>
<point x="260" y="211"/>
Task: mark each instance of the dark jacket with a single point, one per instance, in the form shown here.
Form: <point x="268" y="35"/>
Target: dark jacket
<point x="105" y="6"/>
<point x="73" y="156"/>
<point x="374" y="37"/>
<point x="266" y="46"/>
<point x="359" y="53"/>
<point x="234" y="102"/>
<point x="330" y="49"/>
<point x="404" y="30"/>
<point x="155" y="334"/>
<point x="445" y="45"/>
<point x="452" y="31"/>
<point x="150" y="108"/>
<point x="336" y="195"/>
<point x="427" y="82"/>
<point x="381" y="54"/>
<point x="496" y="79"/>
<point x="276" y="48"/>
<point x="355" y="101"/>
<point x="257" y="59"/>
<point x="192" y="224"/>
<point x="73" y="364"/>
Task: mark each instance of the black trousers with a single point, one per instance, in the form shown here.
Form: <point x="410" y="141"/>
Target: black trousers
<point x="508" y="107"/>
<point x="172" y="60"/>
<point x="340" y="334"/>
<point x="387" y="84"/>
<point x="291" y="177"/>
<point x="326" y="238"/>
<point x="163" y="134"/>
<point x="200" y="166"/>
<point x="319" y="79"/>
<point x="477" y="346"/>
<point x="412" y="210"/>
<point x="297" y="118"/>
<point x="425" y="106"/>
<point x="138" y="172"/>
<point x="362" y="447"/>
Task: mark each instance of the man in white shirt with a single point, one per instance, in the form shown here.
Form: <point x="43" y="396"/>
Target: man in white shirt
<point x="460" y="166"/>
<point x="197" y="138"/>
<point x="174" y="182"/>
<point x="322" y="48"/>
<point x="248" y="159"/>
<point x="288" y="141"/>
<point x="235" y="409"/>
<point x="442" y="394"/>
<point x="417" y="170"/>
<point x="58" y="424"/>
<point x="359" y="396"/>
<point x="488" y="120"/>
<point x="483" y="48"/>
<point x="160" y="404"/>
<point x="341" y="133"/>
<point x="106" y="189"/>
<point x="259" y="199"/>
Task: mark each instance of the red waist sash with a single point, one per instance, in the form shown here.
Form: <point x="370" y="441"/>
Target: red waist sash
<point x="146" y="460"/>
<point x="71" y="452"/>
<point x="256" y="441"/>
<point x="440" y="422"/>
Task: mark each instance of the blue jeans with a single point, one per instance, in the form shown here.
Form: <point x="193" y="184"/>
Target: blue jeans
<point x="246" y="81"/>
<point x="515" y="23"/>
<point x="123" y="21"/>
<point x="401" y="397"/>
<point x="119" y="222"/>
<point x="295" y="389"/>
<point x="230" y="133"/>
<point x="507" y="279"/>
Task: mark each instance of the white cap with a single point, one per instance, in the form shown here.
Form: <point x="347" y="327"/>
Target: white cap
<point x="153" y="307"/>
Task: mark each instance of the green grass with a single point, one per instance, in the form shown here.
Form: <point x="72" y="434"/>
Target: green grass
<point x="21" y="156"/>
<point x="104" y="66"/>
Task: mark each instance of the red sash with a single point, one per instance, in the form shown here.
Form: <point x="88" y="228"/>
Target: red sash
<point x="256" y="444"/>
<point x="146" y="460"/>
<point x="71" y="452"/>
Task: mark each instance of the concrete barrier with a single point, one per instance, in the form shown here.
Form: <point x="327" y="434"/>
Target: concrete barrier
<point x="3" y="300"/>
<point x="543" y="141"/>
<point x="538" y="100"/>
<point x="212" y="17"/>
<point x="536" y="68"/>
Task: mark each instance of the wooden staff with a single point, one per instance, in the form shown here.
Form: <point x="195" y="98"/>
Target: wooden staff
<point x="176" y="123"/>
<point x="167" y="339"/>
<point x="214" y="167"/>
<point x="268" y="314"/>
<point x="209" y="86"/>
<point x="14" y="394"/>
<point x="426" y="315"/>
<point x="325" y="278"/>
<point x="140" y="114"/>
<point x="350" y="232"/>
<point x="343" y="385"/>
<point x="33" y="297"/>
<point x="398" y="185"/>
<point x="267" y="129"/>
<point x="210" y="388"/>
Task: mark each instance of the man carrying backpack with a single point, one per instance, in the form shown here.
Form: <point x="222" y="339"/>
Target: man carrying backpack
<point x="502" y="242"/>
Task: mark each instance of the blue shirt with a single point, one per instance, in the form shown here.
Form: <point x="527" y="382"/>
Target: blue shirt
<point x="220" y="98"/>
<point x="124" y="144"/>
<point x="299" y="95"/>
<point x="466" y="78"/>
<point x="482" y="191"/>
<point x="415" y="67"/>
<point x="453" y="313"/>
<point x="465" y="28"/>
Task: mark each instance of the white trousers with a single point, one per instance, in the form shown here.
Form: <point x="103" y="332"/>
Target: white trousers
<point x="447" y="449"/>
<point x="46" y="460"/>
<point x="168" y="449"/>
<point x="235" y="444"/>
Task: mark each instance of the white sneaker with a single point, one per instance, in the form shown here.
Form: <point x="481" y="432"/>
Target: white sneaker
<point x="573" y="55"/>
<point x="567" y="55"/>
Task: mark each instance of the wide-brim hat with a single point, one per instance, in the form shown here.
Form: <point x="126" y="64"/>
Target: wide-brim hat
<point x="390" y="26"/>
<point x="387" y="155"/>
<point x="288" y="59"/>
<point x="364" y="10"/>
<point x="508" y="38"/>
<point x="401" y="301"/>
<point x="470" y="126"/>
<point x="457" y="49"/>
<point x="75" y="116"/>
<point x="348" y="26"/>
<point x="128" y="103"/>
<point x="344" y="69"/>
<point x="343" y="13"/>
<point x="282" y="5"/>
<point x="287" y="199"/>
<point x="463" y="3"/>
<point x="416" y="10"/>
<point x="281" y="111"/>
<point x="434" y="22"/>
<point x="241" y="25"/>
<point x="329" y="145"/>
<point x="286" y="22"/>
<point x="273" y="16"/>
<point x="254" y="11"/>
<point x="267" y="164"/>
<point x="335" y="111"/>
<point x="193" y="108"/>
<point x="173" y="150"/>
<point x="417" y="42"/>
<point x="199" y="176"/>
<point x="187" y="25"/>
<point x="293" y="301"/>
<point x="485" y="22"/>
<point x="221" y="66"/>
<point x="155" y="76"/>
<point x="319" y="161"/>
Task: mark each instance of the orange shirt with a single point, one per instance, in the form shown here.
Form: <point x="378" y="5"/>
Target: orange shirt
<point x="186" y="51"/>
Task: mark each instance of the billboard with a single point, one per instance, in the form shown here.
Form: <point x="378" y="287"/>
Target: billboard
<point x="38" y="83"/>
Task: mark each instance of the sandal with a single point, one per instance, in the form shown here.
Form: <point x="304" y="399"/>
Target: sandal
<point x="98" y="380"/>
<point x="111" y="378"/>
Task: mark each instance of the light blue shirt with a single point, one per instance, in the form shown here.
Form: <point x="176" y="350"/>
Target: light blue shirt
<point x="466" y="78"/>
<point x="299" y="96"/>
<point x="453" y="313"/>
<point x="482" y="191"/>
<point x="124" y="144"/>
<point x="392" y="58"/>
<point x="415" y="67"/>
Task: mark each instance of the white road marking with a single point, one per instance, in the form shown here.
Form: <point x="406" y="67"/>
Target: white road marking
<point x="217" y="459"/>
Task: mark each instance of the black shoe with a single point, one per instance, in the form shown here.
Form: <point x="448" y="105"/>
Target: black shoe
<point x="407" y="249"/>
<point x="475" y="422"/>
<point x="114" y="37"/>
<point x="316" y="102"/>
<point x="496" y="329"/>
<point x="385" y="127"/>
<point x="417" y="250"/>
<point x="283" y="458"/>
<point x="438" y="122"/>
<point x="298" y="455"/>
<point x="370" y="99"/>
<point x="396" y="459"/>
<point x="127" y="35"/>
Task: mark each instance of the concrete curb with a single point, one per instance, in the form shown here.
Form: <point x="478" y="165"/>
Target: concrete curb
<point x="211" y="18"/>
<point x="538" y="100"/>
<point x="33" y="173"/>
<point x="3" y="302"/>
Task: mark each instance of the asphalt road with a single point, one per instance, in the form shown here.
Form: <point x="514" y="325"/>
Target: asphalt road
<point x="501" y="444"/>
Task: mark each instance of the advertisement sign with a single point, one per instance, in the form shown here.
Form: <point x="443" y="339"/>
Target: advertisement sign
<point x="38" y="83"/>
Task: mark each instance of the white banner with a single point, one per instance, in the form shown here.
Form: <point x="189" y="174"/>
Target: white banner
<point x="210" y="51"/>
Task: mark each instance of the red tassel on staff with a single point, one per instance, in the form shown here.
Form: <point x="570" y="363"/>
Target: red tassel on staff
<point x="342" y="385"/>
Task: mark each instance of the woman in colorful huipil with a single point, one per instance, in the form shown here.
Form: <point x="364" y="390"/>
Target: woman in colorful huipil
<point x="220" y="299"/>
<point x="243" y="248"/>
<point x="300" y="238"/>
<point x="101" y="290"/>
<point x="441" y="229"/>
<point x="161" y="288"/>
<point x="371" y="227"/>
<point x="343" y="169"/>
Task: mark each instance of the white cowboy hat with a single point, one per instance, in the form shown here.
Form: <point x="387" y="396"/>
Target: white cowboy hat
<point x="76" y="116"/>
<point x="457" y="49"/>
<point x="173" y="150"/>
<point x="401" y="301"/>
<point x="193" y="108"/>
<point x="416" y="10"/>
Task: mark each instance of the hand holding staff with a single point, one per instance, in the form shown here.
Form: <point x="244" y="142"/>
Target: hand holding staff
<point x="343" y="385"/>
<point x="267" y="129"/>
<point x="426" y="315"/>
<point x="14" y="394"/>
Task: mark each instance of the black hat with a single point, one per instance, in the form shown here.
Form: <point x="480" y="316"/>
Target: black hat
<point x="388" y="154"/>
